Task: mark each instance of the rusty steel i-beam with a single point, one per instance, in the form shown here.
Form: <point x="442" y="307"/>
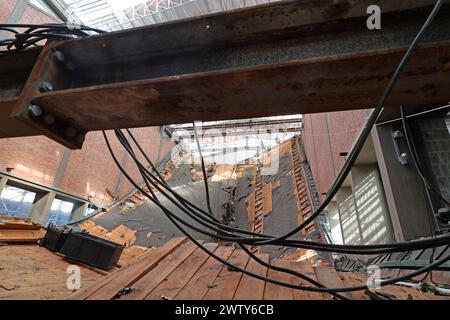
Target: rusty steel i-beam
<point x="283" y="58"/>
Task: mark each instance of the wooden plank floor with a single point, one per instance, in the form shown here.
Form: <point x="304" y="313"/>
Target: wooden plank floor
<point x="179" y="270"/>
<point x="33" y="272"/>
<point x="176" y="270"/>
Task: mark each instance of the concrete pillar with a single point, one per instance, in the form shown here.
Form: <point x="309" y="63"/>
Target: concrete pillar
<point x="79" y="210"/>
<point x="40" y="210"/>
<point x="351" y="227"/>
<point x="371" y="204"/>
<point x="62" y="168"/>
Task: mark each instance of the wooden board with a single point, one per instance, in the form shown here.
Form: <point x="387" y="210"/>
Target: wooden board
<point x="251" y="207"/>
<point x="329" y="277"/>
<point x="305" y="268"/>
<point x="7" y="222"/>
<point x="197" y="286"/>
<point x="146" y="284"/>
<point x="123" y="235"/>
<point x="251" y="288"/>
<point x="277" y="292"/>
<point x="130" y="254"/>
<point x="351" y="281"/>
<point x="175" y="282"/>
<point x="6" y="284"/>
<point x="12" y="235"/>
<point x="228" y="280"/>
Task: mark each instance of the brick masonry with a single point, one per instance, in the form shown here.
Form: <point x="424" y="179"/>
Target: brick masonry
<point x="435" y="148"/>
<point x="89" y="171"/>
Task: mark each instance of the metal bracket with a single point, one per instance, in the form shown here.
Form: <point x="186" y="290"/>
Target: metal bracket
<point x="401" y="156"/>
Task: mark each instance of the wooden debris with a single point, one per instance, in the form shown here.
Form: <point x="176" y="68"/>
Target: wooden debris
<point x="6" y="284"/>
<point x="7" y="222"/>
<point x="251" y="207"/>
<point x="226" y="172"/>
<point x="275" y="185"/>
<point x="301" y="255"/>
<point x="121" y="235"/>
<point x="131" y="254"/>
<point x="108" y="287"/>
<point x="267" y="198"/>
<point x="304" y="207"/>
<point x="13" y="235"/>
<point x="259" y="203"/>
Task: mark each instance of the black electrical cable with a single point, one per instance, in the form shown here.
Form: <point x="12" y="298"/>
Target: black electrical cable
<point x="205" y="178"/>
<point x="416" y="161"/>
<point x="411" y="245"/>
<point x="55" y="26"/>
<point x="170" y="216"/>
<point x="186" y="202"/>
<point x="35" y="33"/>
<point x="173" y="219"/>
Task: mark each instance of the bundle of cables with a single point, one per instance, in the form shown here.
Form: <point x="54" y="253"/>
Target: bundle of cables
<point x="33" y="35"/>
<point x="211" y="226"/>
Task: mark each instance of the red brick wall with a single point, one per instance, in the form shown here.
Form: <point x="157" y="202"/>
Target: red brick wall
<point x="30" y="15"/>
<point x="89" y="171"/>
<point x="34" y="158"/>
<point x="345" y="126"/>
<point x="34" y="15"/>
<point x="6" y="8"/>
<point x="322" y="145"/>
<point x="322" y="164"/>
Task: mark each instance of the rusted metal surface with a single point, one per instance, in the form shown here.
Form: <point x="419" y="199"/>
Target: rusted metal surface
<point x="308" y="86"/>
<point x="283" y="58"/>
